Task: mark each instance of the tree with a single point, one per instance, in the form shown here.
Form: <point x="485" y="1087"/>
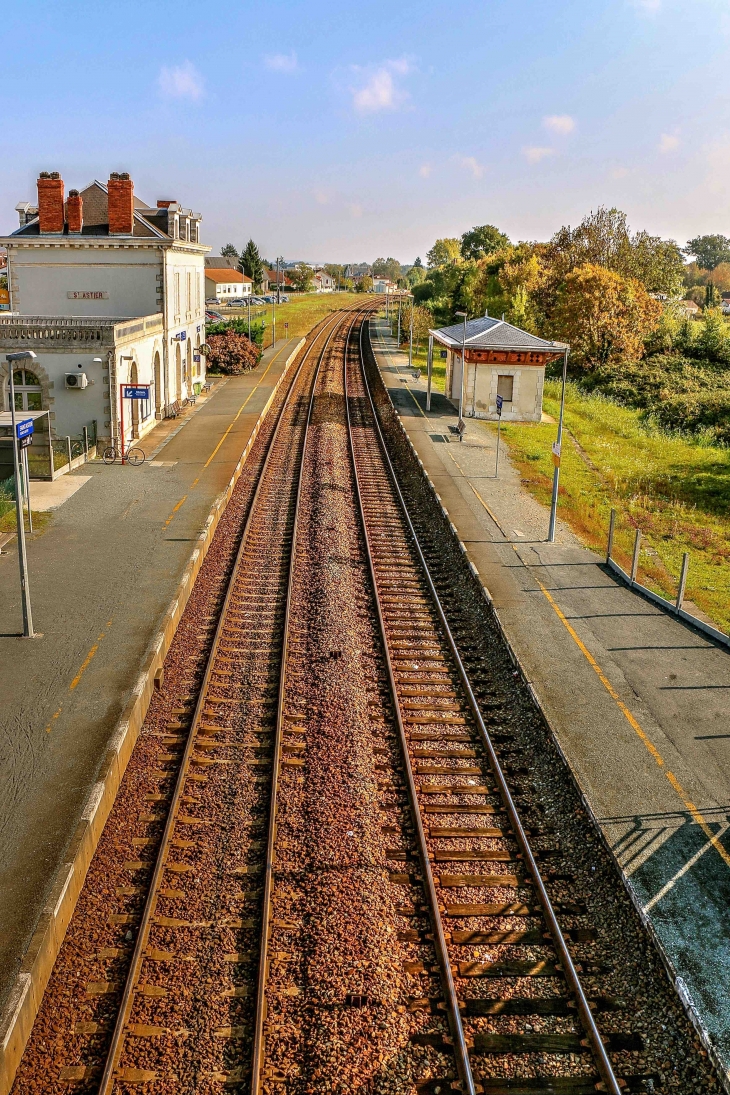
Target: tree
<point x="415" y="276"/>
<point x="301" y="277"/>
<point x="252" y="265"/>
<point x="604" y="316"/>
<point x="229" y="252"/>
<point x="418" y="264"/>
<point x="230" y="352"/>
<point x="482" y="241"/>
<point x="387" y="268"/>
<point x="603" y="239"/>
<point x="712" y="295"/>
<point x="364" y="284"/>
<point x="445" y="252"/>
<point x="709" y="251"/>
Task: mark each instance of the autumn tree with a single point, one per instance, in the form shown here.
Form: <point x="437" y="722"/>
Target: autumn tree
<point x="364" y="284"/>
<point x="603" y="315"/>
<point x="387" y="268"/>
<point x="301" y="277"/>
<point x="230" y="352"/>
<point x="445" y="252"/>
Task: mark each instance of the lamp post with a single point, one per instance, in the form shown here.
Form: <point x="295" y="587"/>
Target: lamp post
<point x="28" y="633"/>
<point x="410" y="337"/>
<point x="462" y="424"/>
<point x="556" y="454"/>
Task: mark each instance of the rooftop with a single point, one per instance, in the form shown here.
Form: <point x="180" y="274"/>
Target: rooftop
<point x="226" y="275"/>
<point x="487" y="333"/>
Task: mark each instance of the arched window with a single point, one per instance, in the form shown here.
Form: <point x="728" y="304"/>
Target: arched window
<point x="27" y="391"/>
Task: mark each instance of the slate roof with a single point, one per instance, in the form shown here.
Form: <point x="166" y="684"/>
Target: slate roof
<point x="148" y="222"/>
<point x="487" y="333"/>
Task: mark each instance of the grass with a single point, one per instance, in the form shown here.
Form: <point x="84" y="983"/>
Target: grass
<point x="674" y="488"/>
<point x="301" y="313"/>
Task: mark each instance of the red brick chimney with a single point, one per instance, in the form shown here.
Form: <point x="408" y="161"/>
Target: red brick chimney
<point x="75" y="211"/>
<point x="50" y="202"/>
<point x="121" y="204"/>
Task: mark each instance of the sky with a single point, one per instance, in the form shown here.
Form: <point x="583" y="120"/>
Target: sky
<point x="343" y="132"/>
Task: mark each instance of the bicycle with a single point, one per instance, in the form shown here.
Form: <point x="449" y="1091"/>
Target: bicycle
<point x="133" y="456"/>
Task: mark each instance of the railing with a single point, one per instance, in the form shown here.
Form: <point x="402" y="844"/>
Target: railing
<point x="76" y="329"/>
<point x="675" y="607"/>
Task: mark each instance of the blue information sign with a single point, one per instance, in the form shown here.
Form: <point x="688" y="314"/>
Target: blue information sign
<point x="137" y="393"/>
<point x="500" y="401"/>
<point x="24" y="428"/>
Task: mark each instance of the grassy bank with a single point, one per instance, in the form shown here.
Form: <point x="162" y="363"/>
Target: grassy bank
<point x="676" y="490"/>
<point x="301" y="313"/>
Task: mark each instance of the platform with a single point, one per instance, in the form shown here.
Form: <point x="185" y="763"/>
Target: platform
<point x="102" y="577"/>
<point x="639" y="702"/>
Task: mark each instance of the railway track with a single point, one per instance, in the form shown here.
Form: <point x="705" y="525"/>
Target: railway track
<point x="341" y="894"/>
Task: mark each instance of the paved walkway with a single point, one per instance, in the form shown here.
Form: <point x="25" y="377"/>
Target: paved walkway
<point x="639" y="701"/>
<point x="101" y="577"/>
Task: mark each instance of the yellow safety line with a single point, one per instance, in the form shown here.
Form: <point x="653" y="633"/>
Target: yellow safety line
<point x="652" y="749"/>
<point x="84" y="666"/>
<point x="225" y="435"/>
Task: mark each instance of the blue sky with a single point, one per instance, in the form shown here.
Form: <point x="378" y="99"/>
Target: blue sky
<point x="338" y="132"/>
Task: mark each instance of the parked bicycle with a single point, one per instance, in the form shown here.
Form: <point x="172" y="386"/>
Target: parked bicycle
<point x="133" y="456"/>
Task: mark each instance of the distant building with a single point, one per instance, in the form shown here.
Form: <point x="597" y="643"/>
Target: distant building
<point x="501" y="360"/>
<point x="324" y="283"/>
<point x="384" y="285"/>
<point x="226" y="284"/>
<point x="270" y="280"/>
<point x="689" y="308"/>
<point x="221" y="262"/>
<point x="108" y="291"/>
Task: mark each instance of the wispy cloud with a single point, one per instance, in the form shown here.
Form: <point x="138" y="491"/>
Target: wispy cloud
<point x="425" y="170"/>
<point x="535" y="153"/>
<point x="381" y="90"/>
<point x="281" y="62"/>
<point x="355" y="210"/>
<point x="668" y="142"/>
<point x="648" y="5"/>
<point x="619" y="172"/>
<point x="181" y="82"/>
<point x="559" y="123"/>
<point x="470" y="163"/>
<point x="322" y="197"/>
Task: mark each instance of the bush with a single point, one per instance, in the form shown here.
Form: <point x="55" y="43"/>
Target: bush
<point x="230" y="353"/>
<point x="240" y="326"/>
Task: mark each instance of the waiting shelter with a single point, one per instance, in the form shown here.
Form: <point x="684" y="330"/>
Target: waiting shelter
<point x="501" y="360"/>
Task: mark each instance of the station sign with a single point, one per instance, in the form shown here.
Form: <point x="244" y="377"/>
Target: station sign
<point x="26" y="442"/>
<point x="180" y="337"/>
<point x="24" y="428"/>
<point x="500" y="401"/>
<point x="556" y="453"/>
<point x="141" y="392"/>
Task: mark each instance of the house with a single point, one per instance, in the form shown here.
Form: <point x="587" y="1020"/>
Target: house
<point x="689" y="308"/>
<point x="271" y="279"/>
<point x="108" y="291"/>
<point x="324" y="283"/>
<point x="226" y="284"/>
<point x="501" y="360"/>
<point x="384" y="285"/>
<point x="221" y="262"/>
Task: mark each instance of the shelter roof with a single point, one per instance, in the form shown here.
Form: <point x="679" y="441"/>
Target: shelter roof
<point x="487" y="333"/>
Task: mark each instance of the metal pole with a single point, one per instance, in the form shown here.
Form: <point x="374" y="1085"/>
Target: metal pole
<point x="556" y="473"/>
<point x="496" y="462"/>
<point x="462" y="424"/>
<point x="429" y="369"/>
<point x="410" y="340"/>
<point x="68" y="450"/>
<point x="611" y="528"/>
<point x="682" y="581"/>
<point x="400" y="301"/>
<point x="86" y="440"/>
<point x="22" y="554"/>
<point x="26" y="477"/>
<point x="249" y="317"/>
<point x="121" y="420"/>
<point x="635" y="558"/>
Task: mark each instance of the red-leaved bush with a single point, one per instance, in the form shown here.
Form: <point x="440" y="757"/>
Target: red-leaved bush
<point x="231" y="353"/>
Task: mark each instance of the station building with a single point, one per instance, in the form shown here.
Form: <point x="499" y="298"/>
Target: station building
<point x="500" y="360"/>
<point x="107" y="291"/>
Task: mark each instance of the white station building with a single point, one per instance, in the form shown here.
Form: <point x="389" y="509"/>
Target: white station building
<point x="108" y="292"/>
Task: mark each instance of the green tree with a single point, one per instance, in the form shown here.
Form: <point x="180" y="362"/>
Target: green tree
<point x="709" y="251"/>
<point x="252" y="264"/>
<point x="418" y="264"/>
<point x="604" y="316"/>
<point x="415" y="276"/>
<point x="301" y="277"/>
<point x="364" y="284"/>
<point x="482" y="241"/>
<point x="445" y="252"/>
<point x="229" y="252"/>
<point x="712" y="295"/>
<point x="713" y="339"/>
<point x="388" y="268"/>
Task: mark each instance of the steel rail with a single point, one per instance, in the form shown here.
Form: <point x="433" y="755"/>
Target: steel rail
<point x="603" y="1063"/>
<point x="259" y="1048"/>
<point x="461" y="1050"/>
<point x="118" y="1037"/>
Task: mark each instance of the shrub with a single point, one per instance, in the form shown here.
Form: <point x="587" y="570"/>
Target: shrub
<point x="230" y="353"/>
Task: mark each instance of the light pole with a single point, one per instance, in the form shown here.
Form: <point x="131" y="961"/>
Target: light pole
<point x="249" y="316"/>
<point x="556" y="454"/>
<point x="410" y="339"/>
<point x="462" y="424"/>
<point x="28" y="633"/>
<point x="400" y="301"/>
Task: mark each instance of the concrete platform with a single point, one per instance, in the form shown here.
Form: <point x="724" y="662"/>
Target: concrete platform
<point x="102" y="578"/>
<point x="639" y="702"/>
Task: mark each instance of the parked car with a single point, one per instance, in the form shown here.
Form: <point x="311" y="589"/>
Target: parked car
<point x="212" y="300"/>
<point x="213" y="317"/>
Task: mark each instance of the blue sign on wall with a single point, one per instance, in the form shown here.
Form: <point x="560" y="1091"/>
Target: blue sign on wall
<point x="24" y="428"/>
<point x="137" y="393"/>
<point x="500" y="401"/>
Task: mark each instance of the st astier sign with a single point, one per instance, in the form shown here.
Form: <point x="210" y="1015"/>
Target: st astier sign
<point x="87" y="294"/>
